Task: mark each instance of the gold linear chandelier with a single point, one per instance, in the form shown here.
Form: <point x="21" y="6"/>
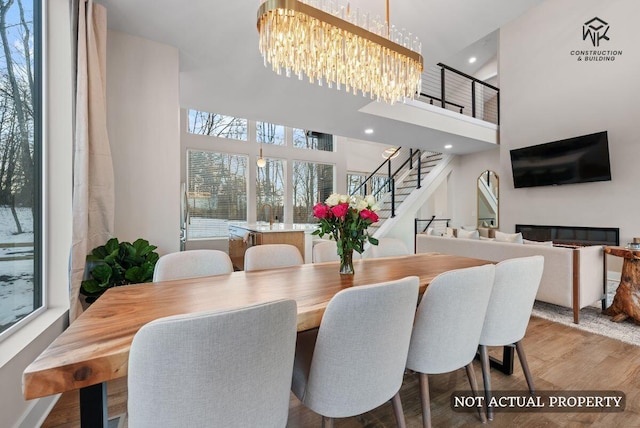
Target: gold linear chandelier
<point x="337" y="47"/>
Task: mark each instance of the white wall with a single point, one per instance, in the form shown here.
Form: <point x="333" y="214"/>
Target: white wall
<point x="144" y="132"/>
<point x="439" y="202"/>
<point x="456" y="197"/>
<point x="488" y="71"/>
<point x="464" y="186"/>
<point x="547" y="95"/>
<point x="362" y="156"/>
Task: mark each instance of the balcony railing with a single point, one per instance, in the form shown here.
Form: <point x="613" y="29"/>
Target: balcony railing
<point x="457" y="91"/>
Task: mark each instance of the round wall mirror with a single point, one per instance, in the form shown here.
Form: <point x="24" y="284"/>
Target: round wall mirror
<point x="488" y="204"/>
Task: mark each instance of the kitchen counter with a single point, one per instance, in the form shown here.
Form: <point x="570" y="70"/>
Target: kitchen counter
<point x="245" y="235"/>
<point x="277" y="227"/>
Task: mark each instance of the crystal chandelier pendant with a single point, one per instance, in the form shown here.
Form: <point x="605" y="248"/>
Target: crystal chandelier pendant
<point x="332" y="46"/>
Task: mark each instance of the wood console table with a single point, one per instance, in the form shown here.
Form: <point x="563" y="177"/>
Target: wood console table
<point x="626" y="302"/>
<point x="95" y="347"/>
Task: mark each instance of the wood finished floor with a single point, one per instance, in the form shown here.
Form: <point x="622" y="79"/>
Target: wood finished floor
<point x="560" y="358"/>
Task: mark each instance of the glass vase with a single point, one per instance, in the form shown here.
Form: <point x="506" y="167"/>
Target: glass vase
<point x="346" y="262"/>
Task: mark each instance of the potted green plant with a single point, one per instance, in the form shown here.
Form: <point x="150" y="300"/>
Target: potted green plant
<point x="118" y="263"/>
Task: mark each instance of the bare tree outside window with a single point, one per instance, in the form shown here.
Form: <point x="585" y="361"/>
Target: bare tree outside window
<point x="19" y="293"/>
<point x="312" y="183"/>
<point x="270" y="182"/>
<point x="217" y="125"/>
<point x="269" y="133"/>
<point x="216" y="192"/>
<point x="305" y="139"/>
<point x="217" y="183"/>
<point x="377" y="185"/>
<point x="270" y="178"/>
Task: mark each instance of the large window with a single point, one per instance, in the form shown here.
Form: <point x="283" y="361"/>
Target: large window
<point x="217" y="125"/>
<point x="20" y="284"/>
<point x="216" y="192"/>
<point x="270" y="190"/>
<point x="304" y="139"/>
<point x="218" y="185"/>
<point x="270" y="133"/>
<point x="377" y="185"/>
<point x="312" y="183"/>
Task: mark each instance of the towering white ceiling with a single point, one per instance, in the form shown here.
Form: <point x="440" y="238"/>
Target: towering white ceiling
<point x="223" y="72"/>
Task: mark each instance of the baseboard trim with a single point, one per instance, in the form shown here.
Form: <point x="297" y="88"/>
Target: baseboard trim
<point x="37" y="412"/>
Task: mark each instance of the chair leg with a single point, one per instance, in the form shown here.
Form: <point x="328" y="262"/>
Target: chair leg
<point x="486" y="379"/>
<point x="397" y="410"/>
<point x="426" y="402"/>
<point x="525" y="366"/>
<point x="327" y="422"/>
<point x="471" y="374"/>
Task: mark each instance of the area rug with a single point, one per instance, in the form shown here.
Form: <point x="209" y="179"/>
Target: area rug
<point x="591" y="320"/>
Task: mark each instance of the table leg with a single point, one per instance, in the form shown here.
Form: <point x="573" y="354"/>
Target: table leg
<point x="93" y="406"/>
<point x="506" y="365"/>
<point x="605" y="283"/>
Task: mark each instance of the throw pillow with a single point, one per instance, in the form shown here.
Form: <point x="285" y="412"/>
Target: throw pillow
<point x="468" y="234"/>
<point x="545" y="243"/>
<point x="487" y="232"/>
<point x="509" y="237"/>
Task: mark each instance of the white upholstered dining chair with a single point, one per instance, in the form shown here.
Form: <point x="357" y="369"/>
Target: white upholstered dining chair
<point x="354" y="362"/>
<point x="514" y="291"/>
<point x="388" y="247"/>
<point x="271" y="256"/>
<point x="447" y="329"/>
<point x="192" y="263"/>
<point x="227" y="369"/>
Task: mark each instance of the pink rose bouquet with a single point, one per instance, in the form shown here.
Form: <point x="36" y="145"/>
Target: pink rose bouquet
<point x="346" y="219"/>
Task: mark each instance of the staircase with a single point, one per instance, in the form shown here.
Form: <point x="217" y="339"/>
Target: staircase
<point x="401" y="182"/>
<point x="403" y="191"/>
<point x="405" y="183"/>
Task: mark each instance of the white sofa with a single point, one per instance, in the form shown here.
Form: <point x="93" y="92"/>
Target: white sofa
<point x="572" y="277"/>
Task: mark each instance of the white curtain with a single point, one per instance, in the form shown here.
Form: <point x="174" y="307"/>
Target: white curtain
<point x="93" y="187"/>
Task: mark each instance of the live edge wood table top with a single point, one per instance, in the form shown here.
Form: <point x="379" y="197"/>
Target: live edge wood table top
<point x="95" y="347"/>
<point x="624" y="252"/>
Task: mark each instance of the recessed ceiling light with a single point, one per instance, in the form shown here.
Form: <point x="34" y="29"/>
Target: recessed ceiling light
<point x="472" y="60"/>
<point x="448" y="146"/>
<point x="368" y="131"/>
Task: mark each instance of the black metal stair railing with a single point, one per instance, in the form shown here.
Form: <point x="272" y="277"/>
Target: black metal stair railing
<point x="420" y="226"/>
<point x="377" y="183"/>
<point x="454" y="90"/>
<point x="394" y="166"/>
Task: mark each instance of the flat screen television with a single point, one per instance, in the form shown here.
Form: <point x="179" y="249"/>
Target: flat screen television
<point x="574" y="160"/>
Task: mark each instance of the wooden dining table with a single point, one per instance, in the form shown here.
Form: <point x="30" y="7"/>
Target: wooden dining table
<point x="95" y="347"/>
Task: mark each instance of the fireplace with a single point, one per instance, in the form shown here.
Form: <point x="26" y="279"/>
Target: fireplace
<point x="571" y="235"/>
